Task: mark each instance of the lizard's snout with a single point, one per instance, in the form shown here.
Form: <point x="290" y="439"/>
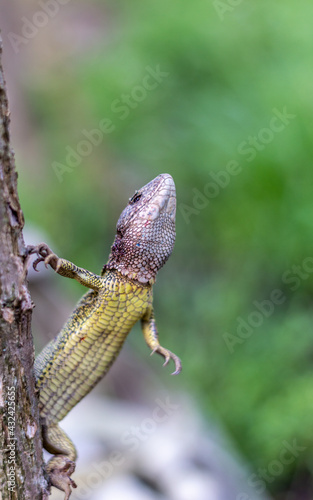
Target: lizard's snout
<point x="164" y="200"/>
<point x="167" y="196"/>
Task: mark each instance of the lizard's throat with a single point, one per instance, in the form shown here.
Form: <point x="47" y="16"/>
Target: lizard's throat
<point x="135" y="263"/>
<point x="133" y="270"/>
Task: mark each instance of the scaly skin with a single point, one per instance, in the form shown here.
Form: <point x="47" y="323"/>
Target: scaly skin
<point x="81" y="354"/>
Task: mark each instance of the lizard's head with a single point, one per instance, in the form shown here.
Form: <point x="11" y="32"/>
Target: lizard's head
<point x="145" y="234"/>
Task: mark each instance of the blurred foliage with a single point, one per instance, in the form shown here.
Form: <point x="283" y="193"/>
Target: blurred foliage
<point x="225" y="77"/>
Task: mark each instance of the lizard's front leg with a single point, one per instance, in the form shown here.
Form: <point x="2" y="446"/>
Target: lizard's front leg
<point x="65" y="267"/>
<point x="151" y="337"/>
<point x="62" y="465"/>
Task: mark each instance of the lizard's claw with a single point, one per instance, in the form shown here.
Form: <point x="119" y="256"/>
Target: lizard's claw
<point x="168" y="355"/>
<point x="44" y="255"/>
<point x="60" y="475"/>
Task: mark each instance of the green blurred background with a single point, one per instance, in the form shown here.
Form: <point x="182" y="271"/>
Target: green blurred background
<point x="229" y="69"/>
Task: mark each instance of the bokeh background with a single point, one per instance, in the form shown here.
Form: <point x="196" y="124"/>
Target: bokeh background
<point x="230" y="118"/>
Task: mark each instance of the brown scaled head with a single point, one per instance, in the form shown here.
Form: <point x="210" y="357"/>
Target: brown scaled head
<point x="145" y="234"/>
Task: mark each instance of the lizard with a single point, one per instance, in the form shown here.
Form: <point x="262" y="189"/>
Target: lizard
<point x="81" y="354"/>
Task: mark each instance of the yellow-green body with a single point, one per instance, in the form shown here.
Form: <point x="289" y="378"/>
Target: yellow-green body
<point x="72" y="364"/>
<point x="81" y="354"/>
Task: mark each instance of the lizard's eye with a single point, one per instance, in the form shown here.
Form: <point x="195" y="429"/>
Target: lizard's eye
<point x="135" y="198"/>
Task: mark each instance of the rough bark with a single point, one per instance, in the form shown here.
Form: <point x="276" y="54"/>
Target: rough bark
<point x="21" y="465"/>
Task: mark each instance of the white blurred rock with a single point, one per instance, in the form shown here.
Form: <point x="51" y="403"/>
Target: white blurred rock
<point x="126" y="488"/>
<point x="181" y="457"/>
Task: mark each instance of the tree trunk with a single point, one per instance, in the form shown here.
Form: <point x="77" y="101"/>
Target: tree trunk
<point x="21" y="465"/>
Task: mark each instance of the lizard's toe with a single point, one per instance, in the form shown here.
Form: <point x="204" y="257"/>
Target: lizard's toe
<point x="44" y="254"/>
<point x="169" y="355"/>
<point x="59" y="472"/>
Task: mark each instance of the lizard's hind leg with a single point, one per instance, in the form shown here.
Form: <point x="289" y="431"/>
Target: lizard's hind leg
<point x="62" y="465"/>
